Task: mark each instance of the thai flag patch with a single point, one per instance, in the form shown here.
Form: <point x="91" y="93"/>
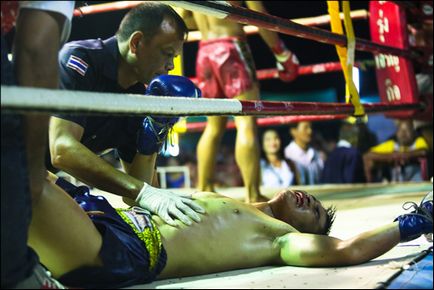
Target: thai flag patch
<point x="77" y="64"/>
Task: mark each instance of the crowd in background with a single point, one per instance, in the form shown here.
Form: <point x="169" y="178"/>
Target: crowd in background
<point x="306" y="154"/>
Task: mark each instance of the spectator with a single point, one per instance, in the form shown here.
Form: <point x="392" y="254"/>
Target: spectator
<point x="276" y="171"/>
<point x="345" y="163"/>
<point x="300" y="151"/>
<point x="404" y="156"/>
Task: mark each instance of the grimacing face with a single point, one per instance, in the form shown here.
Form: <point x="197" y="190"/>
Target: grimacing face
<point x="300" y="210"/>
<point x="155" y="56"/>
<point x="271" y="142"/>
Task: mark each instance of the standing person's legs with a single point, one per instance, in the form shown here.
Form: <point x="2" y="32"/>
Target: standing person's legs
<point x="226" y="69"/>
<point x="247" y="150"/>
<point x="207" y="152"/>
<point x="17" y="259"/>
<point x="247" y="156"/>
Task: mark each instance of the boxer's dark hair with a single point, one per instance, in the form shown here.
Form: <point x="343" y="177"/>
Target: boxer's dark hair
<point x="330" y="218"/>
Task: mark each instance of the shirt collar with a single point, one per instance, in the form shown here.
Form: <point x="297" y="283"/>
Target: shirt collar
<point x="298" y="151"/>
<point x="111" y="62"/>
<point x="344" y="143"/>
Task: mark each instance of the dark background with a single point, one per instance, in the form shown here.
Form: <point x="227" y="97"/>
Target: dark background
<point x="104" y="25"/>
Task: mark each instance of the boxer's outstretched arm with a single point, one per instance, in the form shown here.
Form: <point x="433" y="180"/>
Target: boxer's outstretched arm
<point x="308" y="250"/>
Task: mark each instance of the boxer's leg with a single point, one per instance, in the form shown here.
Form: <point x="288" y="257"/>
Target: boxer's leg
<point x="247" y="150"/>
<point x="62" y="234"/>
<point x="207" y="152"/>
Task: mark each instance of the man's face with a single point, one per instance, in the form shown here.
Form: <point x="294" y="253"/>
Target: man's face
<point x="300" y="210"/>
<point x="302" y="133"/>
<point x="271" y="142"/>
<point x="405" y="133"/>
<point x="155" y="56"/>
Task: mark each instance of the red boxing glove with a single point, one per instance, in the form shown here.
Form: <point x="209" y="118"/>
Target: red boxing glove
<point x="287" y="62"/>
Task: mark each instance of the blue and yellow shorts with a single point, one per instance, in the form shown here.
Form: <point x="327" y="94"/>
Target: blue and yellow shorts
<point x="132" y="252"/>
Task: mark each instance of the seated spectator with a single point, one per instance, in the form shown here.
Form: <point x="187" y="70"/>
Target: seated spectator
<point x="276" y="171"/>
<point x="299" y="150"/>
<point x="404" y="156"/>
<point x="345" y="163"/>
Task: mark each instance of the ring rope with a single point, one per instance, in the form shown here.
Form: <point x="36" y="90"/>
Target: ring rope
<point x="31" y="99"/>
<point x="285" y="26"/>
<point x="308" y="21"/>
<point x="183" y="126"/>
<point x="196" y="35"/>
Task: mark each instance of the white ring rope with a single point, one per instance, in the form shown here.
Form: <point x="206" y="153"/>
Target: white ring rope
<point x="111" y="103"/>
<point x="81" y="102"/>
<point x="199" y="8"/>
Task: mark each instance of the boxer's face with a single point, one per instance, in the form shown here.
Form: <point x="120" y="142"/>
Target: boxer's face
<point x="300" y="210"/>
<point x="155" y="56"/>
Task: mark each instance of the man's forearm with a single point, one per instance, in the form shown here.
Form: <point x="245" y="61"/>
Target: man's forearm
<point x="85" y="165"/>
<point x="142" y="167"/>
<point x="395" y="156"/>
<point x="373" y="243"/>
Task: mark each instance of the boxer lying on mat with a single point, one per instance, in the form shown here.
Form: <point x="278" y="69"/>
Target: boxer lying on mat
<point x="99" y="246"/>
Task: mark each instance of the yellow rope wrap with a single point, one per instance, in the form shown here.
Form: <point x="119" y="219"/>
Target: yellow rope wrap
<point x="346" y="54"/>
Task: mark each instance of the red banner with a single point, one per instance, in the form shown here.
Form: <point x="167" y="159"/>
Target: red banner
<point x="395" y="75"/>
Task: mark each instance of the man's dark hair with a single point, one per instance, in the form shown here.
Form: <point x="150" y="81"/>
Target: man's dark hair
<point x="147" y="18"/>
<point x="331" y="215"/>
<point x="293" y="125"/>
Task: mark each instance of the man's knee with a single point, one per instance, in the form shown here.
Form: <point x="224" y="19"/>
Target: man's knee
<point x="247" y="142"/>
<point x="251" y="94"/>
<point x="246" y="125"/>
<point x="215" y="127"/>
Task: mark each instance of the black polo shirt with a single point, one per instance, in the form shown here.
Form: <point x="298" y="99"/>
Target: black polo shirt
<point x="92" y="65"/>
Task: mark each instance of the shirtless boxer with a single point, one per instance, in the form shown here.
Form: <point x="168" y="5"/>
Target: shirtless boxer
<point x="111" y="248"/>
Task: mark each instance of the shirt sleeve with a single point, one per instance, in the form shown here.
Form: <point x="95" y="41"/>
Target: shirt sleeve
<point x="76" y="73"/>
<point x="385" y="147"/>
<point x="76" y="69"/>
<point x="420" y="144"/>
